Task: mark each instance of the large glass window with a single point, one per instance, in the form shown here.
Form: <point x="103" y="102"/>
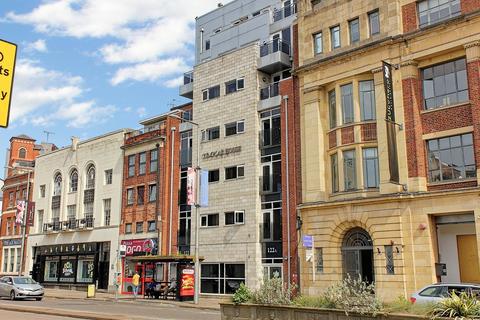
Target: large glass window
<point x="332" y="109"/>
<point x="318" y="43"/>
<point x="354" y="26"/>
<point x="432" y="11"/>
<point x="374" y="22"/>
<point x="85" y="267"/>
<point x="445" y="84"/>
<point x="349" y="171"/>
<point x="451" y="158"/>
<point x="51" y="269"/>
<point x="370" y="168"/>
<point x="347" y="103"/>
<point x="221" y="278"/>
<point x="335" y="37"/>
<point x="367" y="99"/>
<point x="334" y="166"/>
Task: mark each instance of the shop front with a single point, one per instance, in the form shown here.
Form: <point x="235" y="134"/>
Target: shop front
<point x="148" y="272"/>
<point x="76" y="264"/>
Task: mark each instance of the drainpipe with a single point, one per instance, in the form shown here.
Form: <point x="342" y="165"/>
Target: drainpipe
<point x="287" y="171"/>
<point x="157" y="199"/>
<point x="172" y="144"/>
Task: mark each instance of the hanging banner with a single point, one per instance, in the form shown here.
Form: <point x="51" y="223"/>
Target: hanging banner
<point x="390" y="120"/>
<point x="20" y="212"/>
<point x="30" y="213"/>
<point x="191" y="177"/>
<point x="8" y="55"/>
<point x="204" y="188"/>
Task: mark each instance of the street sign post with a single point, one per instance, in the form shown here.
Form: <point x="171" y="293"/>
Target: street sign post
<point x="8" y="54"/>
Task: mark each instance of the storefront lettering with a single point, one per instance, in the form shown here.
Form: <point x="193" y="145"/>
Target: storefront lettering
<point x="138" y="247"/>
<point x="221" y="153"/>
<point x="12" y="242"/>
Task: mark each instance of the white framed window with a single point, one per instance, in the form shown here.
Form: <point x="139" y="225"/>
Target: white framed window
<point x="234" y="85"/>
<point x="234" y="128"/>
<point x="318" y="43"/>
<point x="209" y="220"/>
<point x="211" y="93"/>
<point x="234" y="172"/>
<point x="234" y="217"/>
<point x="108" y="176"/>
<point x="211" y="134"/>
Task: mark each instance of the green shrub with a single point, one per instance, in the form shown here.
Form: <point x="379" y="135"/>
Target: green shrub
<point x="273" y="291"/>
<point x="314" y="302"/>
<point x="458" y="306"/>
<point x="402" y="305"/>
<point x="242" y="295"/>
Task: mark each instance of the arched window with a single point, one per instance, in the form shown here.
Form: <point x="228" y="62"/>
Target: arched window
<point x="91" y="177"/>
<point x="74" y="181"/>
<point x="357" y="251"/>
<point x="22" y="153"/>
<point x="357" y="237"/>
<point x="57" y="184"/>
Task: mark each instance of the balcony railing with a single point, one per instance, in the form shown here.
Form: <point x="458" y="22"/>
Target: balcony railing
<point x="274" y="46"/>
<point x="188" y="77"/>
<point x="285" y="12"/>
<point x="69" y="225"/>
<point x="270" y="91"/>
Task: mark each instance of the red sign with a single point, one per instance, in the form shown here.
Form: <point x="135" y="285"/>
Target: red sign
<point x="138" y="247"/>
<point x="187" y="282"/>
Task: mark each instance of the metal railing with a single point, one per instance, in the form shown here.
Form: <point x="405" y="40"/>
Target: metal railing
<point x="271" y="91"/>
<point x="71" y="224"/>
<point x="285" y="12"/>
<point x="188" y="77"/>
<point x="274" y="46"/>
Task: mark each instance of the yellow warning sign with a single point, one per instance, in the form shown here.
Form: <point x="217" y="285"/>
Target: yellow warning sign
<point x="8" y="54"/>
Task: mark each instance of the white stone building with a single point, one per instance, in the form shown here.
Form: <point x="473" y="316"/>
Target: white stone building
<point x="78" y="199"/>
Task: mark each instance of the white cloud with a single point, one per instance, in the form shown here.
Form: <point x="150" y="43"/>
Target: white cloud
<point x="142" y="112"/>
<point x="40" y="45"/>
<point x="83" y="114"/>
<point x="174" y="83"/>
<point x="139" y="32"/>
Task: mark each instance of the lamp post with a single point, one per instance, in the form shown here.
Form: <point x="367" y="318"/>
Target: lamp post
<point x="197" y="206"/>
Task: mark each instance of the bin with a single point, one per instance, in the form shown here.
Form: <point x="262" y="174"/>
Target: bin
<point x="91" y="291"/>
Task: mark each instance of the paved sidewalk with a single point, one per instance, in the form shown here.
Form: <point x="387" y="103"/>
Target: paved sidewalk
<point x="211" y="303"/>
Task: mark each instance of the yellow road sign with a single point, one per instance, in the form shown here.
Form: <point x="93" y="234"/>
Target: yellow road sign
<point x="8" y="55"/>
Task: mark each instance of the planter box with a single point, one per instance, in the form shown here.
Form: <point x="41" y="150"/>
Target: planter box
<point x="231" y="311"/>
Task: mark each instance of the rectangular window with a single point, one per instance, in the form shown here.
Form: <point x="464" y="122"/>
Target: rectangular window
<point x="433" y="11"/>
<point x="140" y="195"/>
<point x="319" y="260"/>
<point x="5" y="260"/>
<point x="374" y="22"/>
<point x="10" y="199"/>
<point x="207" y="45"/>
<point x="370" y="168"/>
<point x="349" y="171"/>
<point x="451" y="158"/>
<point x="210" y="220"/>
<point x="354" y="26"/>
<point x="335" y="37"/>
<point x="332" y="109"/>
<point x="334" y="166"/>
<point x="42" y="191"/>
<point x="389" y="260"/>
<point x="139" y="227"/>
<point x="234" y="217"/>
<point x="211" y="93"/>
<point x="153" y="160"/>
<point x="108" y="176"/>
<point x="131" y="165"/>
<point x="71" y="216"/>
<point x="318" y="43"/>
<point x="128" y="228"/>
<point x="152" y="193"/>
<point x="107" y="204"/>
<point x="130" y="197"/>
<point x="445" y="84"/>
<point x="213" y="175"/>
<point x="234" y="128"/>
<point x="234" y="85"/>
<point x="367" y="100"/>
<point x="40" y="221"/>
<point x="234" y="172"/>
<point x="142" y="167"/>
<point x="211" y="134"/>
<point x="347" y="103"/>
<point x="152" y="226"/>
<point x="220" y="278"/>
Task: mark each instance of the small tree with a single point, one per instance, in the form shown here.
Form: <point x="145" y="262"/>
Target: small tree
<point x="242" y="295"/>
<point x="273" y="291"/>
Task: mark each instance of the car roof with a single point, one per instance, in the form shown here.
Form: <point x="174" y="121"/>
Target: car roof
<point x="444" y="284"/>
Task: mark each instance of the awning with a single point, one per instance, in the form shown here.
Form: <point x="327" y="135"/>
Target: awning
<point x="164" y="258"/>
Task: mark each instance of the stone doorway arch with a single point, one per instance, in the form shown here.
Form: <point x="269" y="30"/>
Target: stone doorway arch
<point x="357" y="255"/>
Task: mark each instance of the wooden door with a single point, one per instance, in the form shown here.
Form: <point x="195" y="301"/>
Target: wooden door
<point x="468" y="258"/>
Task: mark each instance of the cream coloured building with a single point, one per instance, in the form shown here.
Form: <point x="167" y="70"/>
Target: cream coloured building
<point x="424" y="229"/>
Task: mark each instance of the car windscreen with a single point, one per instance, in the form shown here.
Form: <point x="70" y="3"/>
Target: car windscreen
<point x="432" y="292"/>
<point x="23" y="281"/>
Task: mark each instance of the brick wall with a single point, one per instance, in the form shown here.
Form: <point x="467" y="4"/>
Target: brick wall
<point x="409" y="17"/>
<point x="348" y="135"/>
<point x="332" y="139"/>
<point x="473" y="70"/>
<point x="369" y="132"/>
<point x="455" y="185"/>
<point x="469" y="5"/>
<point x="446" y="119"/>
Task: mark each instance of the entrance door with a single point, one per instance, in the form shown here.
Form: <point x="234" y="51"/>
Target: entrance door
<point x="357" y="251"/>
<point x="103" y="272"/>
<point x="468" y="258"/>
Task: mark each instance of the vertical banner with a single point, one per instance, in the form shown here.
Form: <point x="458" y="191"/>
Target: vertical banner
<point x="191" y="177"/>
<point x="187" y="282"/>
<point x="8" y="54"/>
<point x="390" y="120"/>
<point x="204" y="188"/>
<point x="20" y="212"/>
<point x="30" y="213"/>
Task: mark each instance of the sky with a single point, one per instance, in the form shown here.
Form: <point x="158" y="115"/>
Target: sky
<point x="87" y="67"/>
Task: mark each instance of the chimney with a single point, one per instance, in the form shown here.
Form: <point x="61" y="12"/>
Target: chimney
<point x="75" y="143"/>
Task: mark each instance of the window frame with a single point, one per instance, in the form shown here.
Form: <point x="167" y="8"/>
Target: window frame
<point x="429" y="10"/>
<point x="142" y="164"/>
<point x="128" y="228"/>
<point x="140" y="198"/>
<point x="151" y="223"/>
<point x="108" y="176"/>
<point x="350" y="101"/>
<point x="236" y="217"/>
<point x="374" y="14"/>
<point x="137" y="225"/>
<point x="239" y="85"/>
<point x="361" y="96"/>
<point x="130" y="200"/>
<point x="206" y="218"/>
<point x="238" y="169"/>
<point x="318" y="43"/>
<point x="73" y="187"/>
<point x="239" y="127"/>
<point x="210" y="176"/>
<point x="335" y="30"/>
<point x="367" y="159"/>
<point x="335" y="180"/>
<point x="354" y="167"/>
<point x="350" y="29"/>
<point x="131" y="161"/>
<point x="207" y="93"/>
<point x="150" y="193"/>
<point x="207" y="134"/>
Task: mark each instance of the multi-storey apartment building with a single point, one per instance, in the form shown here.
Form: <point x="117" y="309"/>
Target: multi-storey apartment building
<point x="18" y="186"/>
<point x="424" y="227"/>
<point x="78" y="193"/>
<point x="242" y="87"/>
<point x="151" y="177"/>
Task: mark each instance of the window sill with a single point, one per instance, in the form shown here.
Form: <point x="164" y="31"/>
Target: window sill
<point x="208" y="227"/>
<point x="354" y="191"/>
<point x="431" y="184"/>
<point x="235" y="225"/>
<point x="446" y="107"/>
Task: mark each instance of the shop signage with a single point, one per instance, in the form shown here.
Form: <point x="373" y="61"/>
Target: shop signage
<point x="67" y="273"/>
<point x="390" y="119"/>
<point x="307" y="241"/>
<point x="12" y="242"/>
<point x="273" y="250"/>
<point x="140" y="247"/>
<point x="187" y="282"/>
<point x="8" y="55"/>
<point x="221" y="153"/>
<point x="76" y="248"/>
<point x="30" y="213"/>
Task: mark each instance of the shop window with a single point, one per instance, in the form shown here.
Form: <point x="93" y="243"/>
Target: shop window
<point x="51" y="269"/>
<point x="85" y="267"/>
<point x="221" y="278"/>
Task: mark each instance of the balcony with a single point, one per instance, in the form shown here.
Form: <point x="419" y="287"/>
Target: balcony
<point x="186" y="89"/>
<point x="274" y="57"/>
<point x="269" y="97"/>
<point x="69" y="225"/>
<point x="285" y="12"/>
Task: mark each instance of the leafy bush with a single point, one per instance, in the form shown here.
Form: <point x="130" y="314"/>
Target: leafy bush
<point x="242" y="295"/>
<point x="458" y="306"/>
<point x="273" y="291"/>
<point x="314" y="302"/>
<point x="402" y="305"/>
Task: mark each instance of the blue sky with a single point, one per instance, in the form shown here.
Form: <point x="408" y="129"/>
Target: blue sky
<point x="86" y="67"/>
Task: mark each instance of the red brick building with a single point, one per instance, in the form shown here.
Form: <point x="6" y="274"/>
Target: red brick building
<point x="151" y="177"/>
